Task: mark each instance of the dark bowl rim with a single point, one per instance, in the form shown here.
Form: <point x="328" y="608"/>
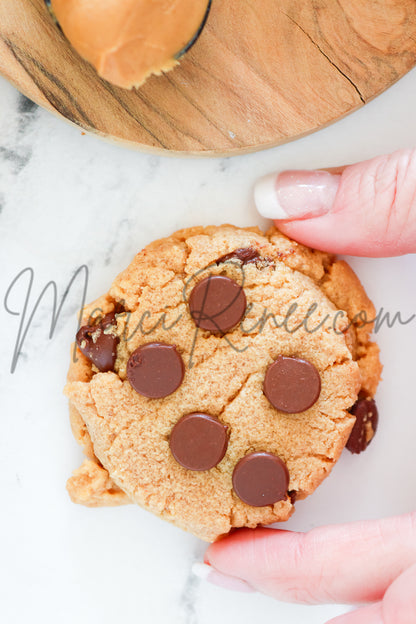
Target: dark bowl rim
<point x="192" y="41"/>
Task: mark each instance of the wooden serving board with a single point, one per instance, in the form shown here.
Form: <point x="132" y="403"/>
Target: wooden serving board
<point x="263" y="72"/>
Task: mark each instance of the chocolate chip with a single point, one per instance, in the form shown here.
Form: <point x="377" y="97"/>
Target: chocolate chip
<point x="155" y="370"/>
<point x="198" y="441"/>
<point x="247" y="255"/>
<point x="119" y="307"/>
<point x="217" y="304"/>
<point x="99" y="342"/>
<point x="261" y="479"/>
<point x="293" y="496"/>
<point x="366" y="414"/>
<point x="108" y="319"/>
<point x="292" y="385"/>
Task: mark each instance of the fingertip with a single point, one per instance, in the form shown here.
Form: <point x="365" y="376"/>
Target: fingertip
<point x="237" y="550"/>
<point x="367" y="209"/>
<point x="224" y="546"/>
<point x="296" y="194"/>
<point x="209" y="573"/>
<point x="266" y="198"/>
<point x="232" y="559"/>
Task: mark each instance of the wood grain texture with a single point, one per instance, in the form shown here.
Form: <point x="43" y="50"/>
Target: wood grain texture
<point x="263" y="72"/>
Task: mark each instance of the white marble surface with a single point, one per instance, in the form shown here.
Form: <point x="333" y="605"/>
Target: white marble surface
<point x="68" y="199"/>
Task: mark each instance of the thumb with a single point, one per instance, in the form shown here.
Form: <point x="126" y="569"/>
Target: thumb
<point x="348" y="563"/>
<point x="368" y="209"/>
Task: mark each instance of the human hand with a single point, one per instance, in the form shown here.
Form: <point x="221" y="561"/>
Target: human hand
<point x="367" y="209"/>
<point x="365" y="562"/>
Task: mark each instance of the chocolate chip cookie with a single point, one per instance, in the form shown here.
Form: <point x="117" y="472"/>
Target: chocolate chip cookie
<point x="220" y="378"/>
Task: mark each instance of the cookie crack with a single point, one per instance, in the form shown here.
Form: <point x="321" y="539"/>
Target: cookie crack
<point x="236" y="394"/>
<point x="321" y="456"/>
<point x="340" y="362"/>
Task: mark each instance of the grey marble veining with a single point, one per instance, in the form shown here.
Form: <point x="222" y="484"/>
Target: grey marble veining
<point x="68" y="200"/>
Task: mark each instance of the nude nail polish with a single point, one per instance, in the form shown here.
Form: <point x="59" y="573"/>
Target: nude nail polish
<point x="296" y="194"/>
<point x="210" y="574"/>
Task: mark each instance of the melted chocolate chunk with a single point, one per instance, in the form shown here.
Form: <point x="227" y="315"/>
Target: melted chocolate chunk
<point x="247" y="255"/>
<point x="198" y="441"/>
<point x="99" y="342"/>
<point x="261" y="479"/>
<point x="217" y="304"/>
<point x="293" y="496"/>
<point x="365" y="427"/>
<point x="155" y="370"/>
<point x="292" y="385"/>
<point x="119" y="308"/>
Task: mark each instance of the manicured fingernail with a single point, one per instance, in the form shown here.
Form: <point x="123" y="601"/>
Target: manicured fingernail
<point x="296" y="194"/>
<point x="210" y="574"/>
